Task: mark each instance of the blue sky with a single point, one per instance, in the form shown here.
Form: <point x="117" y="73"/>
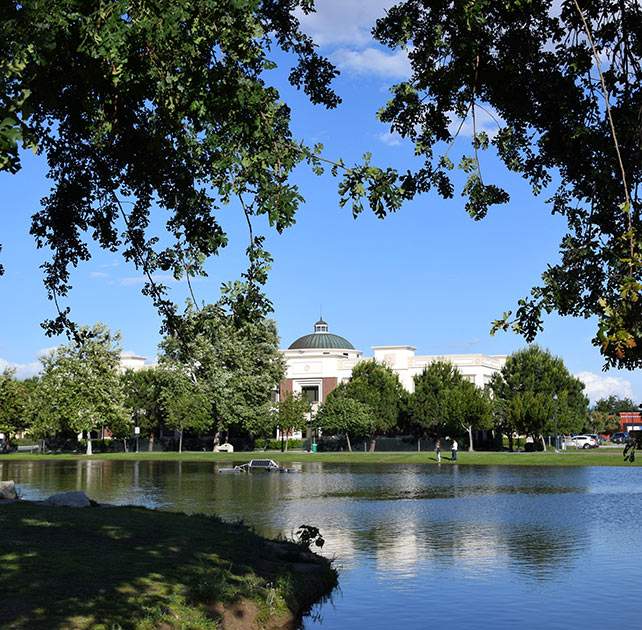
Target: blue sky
<point x="428" y="276"/>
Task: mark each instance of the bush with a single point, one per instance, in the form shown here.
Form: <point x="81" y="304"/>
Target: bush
<point x="275" y="445"/>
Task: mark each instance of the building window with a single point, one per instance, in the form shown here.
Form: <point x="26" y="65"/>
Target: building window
<point x="275" y="395"/>
<point x="310" y="393"/>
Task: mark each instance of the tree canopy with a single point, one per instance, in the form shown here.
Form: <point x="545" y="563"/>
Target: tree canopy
<point x="234" y="361"/>
<point x="445" y="403"/>
<point x="167" y="104"/>
<point x="148" y="105"/>
<point x="535" y="394"/>
<point x="342" y="415"/>
<point x="563" y="83"/>
<point x="377" y="386"/>
<point x="80" y="388"/>
<point x="15" y="402"/>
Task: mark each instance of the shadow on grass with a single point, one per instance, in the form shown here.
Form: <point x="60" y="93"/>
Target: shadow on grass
<point x="127" y="567"/>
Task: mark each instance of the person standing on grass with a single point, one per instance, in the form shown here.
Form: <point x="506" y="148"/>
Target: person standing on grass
<point x="453" y="450"/>
<point x="438" y="450"/>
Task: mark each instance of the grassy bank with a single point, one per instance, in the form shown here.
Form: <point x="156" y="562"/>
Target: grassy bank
<point x="594" y="457"/>
<point x="127" y="567"/>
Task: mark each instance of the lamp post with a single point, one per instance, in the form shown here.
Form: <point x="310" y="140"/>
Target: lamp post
<point x="557" y="443"/>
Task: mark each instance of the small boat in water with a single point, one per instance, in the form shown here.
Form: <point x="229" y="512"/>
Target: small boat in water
<point x="268" y="465"/>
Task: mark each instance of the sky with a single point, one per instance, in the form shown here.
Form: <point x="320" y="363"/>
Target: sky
<point x="428" y="275"/>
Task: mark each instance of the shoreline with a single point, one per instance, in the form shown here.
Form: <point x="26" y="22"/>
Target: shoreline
<point x="133" y="567"/>
<point x="596" y="457"/>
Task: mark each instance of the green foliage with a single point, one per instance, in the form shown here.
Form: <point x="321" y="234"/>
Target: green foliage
<point x="378" y="387"/>
<point x="292" y="412"/>
<point x="444" y="403"/>
<point x="613" y="405"/>
<point x="164" y="104"/>
<point x="144" y="396"/>
<point x="185" y="404"/>
<point x="533" y="64"/>
<point x="16" y="398"/>
<point x="233" y="358"/>
<point x="342" y="415"/>
<point x="80" y="389"/>
<point x="524" y="394"/>
<point x="275" y="445"/>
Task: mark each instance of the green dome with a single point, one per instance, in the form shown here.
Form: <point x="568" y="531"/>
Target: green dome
<point x="321" y="339"/>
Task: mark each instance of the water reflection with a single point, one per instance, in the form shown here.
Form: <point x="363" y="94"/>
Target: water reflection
<point x="405" y="535"/>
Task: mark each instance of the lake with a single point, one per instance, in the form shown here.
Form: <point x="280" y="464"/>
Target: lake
<point x="417" y="546"/>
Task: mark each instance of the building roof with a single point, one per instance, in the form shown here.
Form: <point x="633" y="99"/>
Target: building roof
<point x="321" y="339"/>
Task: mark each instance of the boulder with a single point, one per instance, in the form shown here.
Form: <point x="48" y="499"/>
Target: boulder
<point x="8" y="491"/>
<point x="69" y="499"/>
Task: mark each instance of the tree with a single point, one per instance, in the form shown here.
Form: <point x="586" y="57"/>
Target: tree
<point x="141" y="105"/>
<point x="187" y="406"/>
<point x="562" y="82"/>
<point x="234" y="359"/>
<point x="15" y="401"/>
<point x="81" y="389"/>
<point x="444" y="403"/>
<point x="535" y="394"/>
<point x="341" y="415"/>
<point x="292" y="414"/>
<point x="143" y="393"/>
<point x="613" y="405"/>
<point x="377" y="386"/>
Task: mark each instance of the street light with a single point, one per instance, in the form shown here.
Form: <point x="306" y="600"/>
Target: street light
<point x="557" y="442"/>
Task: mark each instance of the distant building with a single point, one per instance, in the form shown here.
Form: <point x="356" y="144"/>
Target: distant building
<point x="316" y="363"/>
<point x="131" y="361"/>
<point x="630" y="421"/>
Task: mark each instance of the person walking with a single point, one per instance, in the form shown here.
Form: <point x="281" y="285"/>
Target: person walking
<point x="438" y="450"/>
<point x="453" y="450"/>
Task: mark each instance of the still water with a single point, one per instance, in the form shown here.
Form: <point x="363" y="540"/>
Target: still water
<point x="418" y="546"/>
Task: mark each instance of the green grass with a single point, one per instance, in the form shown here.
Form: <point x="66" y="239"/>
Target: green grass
<point x="129" y="567"/>
<point x="593" y="457"/>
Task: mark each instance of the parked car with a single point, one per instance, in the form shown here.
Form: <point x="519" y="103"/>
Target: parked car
<point x="620" y="438"/>
<point x="583" y="441"/>
<point x="597" y="438"/>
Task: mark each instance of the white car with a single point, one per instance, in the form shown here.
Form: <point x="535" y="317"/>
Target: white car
<point x="582" y="441"/>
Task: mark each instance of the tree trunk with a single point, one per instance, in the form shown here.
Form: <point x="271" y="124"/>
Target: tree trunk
<point x="471" y="448"/>
<point x="373" y="444"/>
<point x="180" y="441"/>
<point x="287" y="439"/>
<point x="510" y="441"/>
<point x="88" y="452"/>
<point x="125" y="445"/>
<point x="541" y="437"/>
<point x="150" y="443"/>
<point x="348" y="441"/>
<point x="216" y="441"/>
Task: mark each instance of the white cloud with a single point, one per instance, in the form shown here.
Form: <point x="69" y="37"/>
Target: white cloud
<point x="601" y="386"/>
<point x="392" y="139"/>
<point x="343" y="21"/>
<point x="98" y="274"/>
<point x="394" y="65"/>
<point x="26" y="370"/>
<point x="22" y="370"/>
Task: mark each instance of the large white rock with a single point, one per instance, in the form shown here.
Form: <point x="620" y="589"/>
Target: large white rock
<point x="69" y="499"/>
<point x="8" y="490"/>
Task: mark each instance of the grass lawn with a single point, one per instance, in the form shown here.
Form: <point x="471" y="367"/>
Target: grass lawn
<point x="128" y="567"/>
<point x="593" y="457"/>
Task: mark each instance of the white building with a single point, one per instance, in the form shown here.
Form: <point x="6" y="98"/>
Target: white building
<point x="131" y="361"/>
<point x="318" y="362"/>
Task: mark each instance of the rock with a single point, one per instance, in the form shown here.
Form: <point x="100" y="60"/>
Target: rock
<point x="69" y="499"/>
<point x="8" y="491"/>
